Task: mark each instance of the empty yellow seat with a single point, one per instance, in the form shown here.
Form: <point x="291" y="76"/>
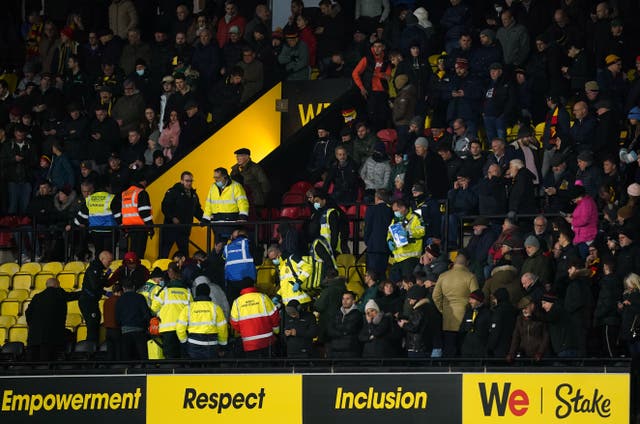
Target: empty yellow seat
<point x="73" y="320"/>
<point x="9" y="268"/>
<point x="10" y="307"/>
<point x="5" y="281"/>
<point x="3" y="335"/>
<point x="74" y="266"/>
<point x="3" y="294"/>
<point x="22" y="280"/>
<point x="18" y="294"/>
<point x="31" y="267"/>
<point x="163" y="264"/>
<point x="40" y="280"/>
<point x="73" y="307"/>
<point x="146" y="263"/>
<point x="7" y="321"/>
<point x="18" y="333"/>
<point x="67" y="280"/>
<point x="115" y="264"/>
<point x="81" y="333"/>
<point x="52" y="267"/>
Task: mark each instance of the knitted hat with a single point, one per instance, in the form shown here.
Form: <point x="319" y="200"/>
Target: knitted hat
<point x="422" y="142"/>
<point x="156" y="273"/>
<point x="634" y="113"/>
<point x="549" y="297"/>
<point x="532" y="241"/>
<point x="489" y="33"/>
<point x="477" y="295"/>
<point x="433" y="250"/>
<point x="417" y="292"/>
<point x="203" y="290"/>
<point x="371" y="304"/>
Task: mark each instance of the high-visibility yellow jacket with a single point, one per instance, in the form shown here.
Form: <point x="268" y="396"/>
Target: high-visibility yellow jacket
<point x="168" y="305"/>
<point x="149" y="290"/>
<point x="328" y="219"/>
<point x="232" y="199"/>
<point x="202" y="323"/>
<point x="287" y="271"/>
<point x="254" y="316"/>
<point x="415" y="233"/>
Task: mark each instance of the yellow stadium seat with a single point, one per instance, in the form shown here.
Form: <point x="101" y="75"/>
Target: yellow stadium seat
<point x="146" y="263"/>
<point x="22" y="320"/>
<point x="81" y="333"/>
<point x="34" y="292"/>
<point x="163" y="264"/>
<point x="3" y="335"/>
<point x="266" y="280"/>
<point x="452" y="255"/>
<point x="81" y="278"/>
<point x="19" y="333"/>
<point x="25" y="306"/>
<point x="40" y="280"/>
<point x="74" y="266"/>
<point x="539" y="130"/>
<point x="356" y="273"/>
<point x="73" y="307"/>
<point x="3" y="294"/>
<point x="73" y="320"/>
<point x="31" y="267"/>
<point x="18" y="294"/>
<point x="5" y="281"/>
<point x="7" y="321"/>
<point x="22" y="280"/>
<point x="67" y="280"/>
<point x="101" y="307"/>
<point x="115" y="264"/>
<point x="9" y="268"/>
<point x="10" y="307"/>
<point x="52" y="267"/>
<point x="346" y="260"/>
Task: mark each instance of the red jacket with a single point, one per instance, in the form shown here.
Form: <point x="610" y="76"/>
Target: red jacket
<point x="255" y="318"/>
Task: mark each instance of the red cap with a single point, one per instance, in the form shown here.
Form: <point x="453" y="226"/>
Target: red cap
<point x="68" y="31"/>
<point x="131" y="257"/>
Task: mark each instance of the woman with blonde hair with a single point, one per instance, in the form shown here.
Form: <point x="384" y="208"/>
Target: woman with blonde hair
<point x="630" y="309"/>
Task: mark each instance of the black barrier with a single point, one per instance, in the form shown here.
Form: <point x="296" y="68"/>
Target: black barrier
<point x="400" y="398"/>
<point x="82" y="400"/>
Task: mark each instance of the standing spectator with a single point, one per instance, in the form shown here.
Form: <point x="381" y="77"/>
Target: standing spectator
<point x="371" y="75"/>
<point x="47" y="45"/>
<point x="168" y="306"/>
<point x="300" y="328"/>
<point x="404" y="105"/>
<point x="502" y="324"/>
<point x="514" y="39"/>
<point x="19" y="160"/>
<point x="294" y="57"/>
<point x="464" y="96"/>
<point x="253" y="74"/>
<point x="556" y="184"/>
<point x="307" y="37"/>
<point x="179" y="206"/>
<point x="225" y="97"/>
<point x="405" y="238"/>
<point x="254" y="316"/>
<point x="630" y="307"/>
<point x="343" y="174"/>
<point x="230" y="19"/>
<point x="60" y="173"/>
<point x="427" y="167"/>
<point x="122" y="17"/>
<point x="530" y="337"/>
<point x="499" y="104"/>
<point x="135" y="50"/>
<point x="344" y="329"/>
<point x="95" y="280"/>
<point x="520" y="199"/>
<point x="537" y="262"/>
<point x="262" y="17"/>
<point x="252" y="176"/>
<point x="131" y="269"/>
<point x="128" y="110"/>
<point x="583" y="220"/>
<point x="170" y="136"/>
<point x="504" y="276"/>
<point x="376" y="221"/>
<point x="420" y="327"/>
<point x="562" y="331"/>
<point x="207" y="59"/>
<point x="110" y="324"/>
<point x="376" y="332"/>
<point x="375" y="172"/>
<point x="330" y="297"/>
<point x="202" y="326"/>
<point x="589" y="174"/>
<point x="475" y="326"/>
<point x="132" y="316"/>
<point x="455" y="21"/>
<point x="329" y="31"/>
<point x="46" y="317"/>
<point x="606" y="318"/>
<point x="322" y="153"/>
<point x="628" y="257"/>
<point x="451" y="297"/>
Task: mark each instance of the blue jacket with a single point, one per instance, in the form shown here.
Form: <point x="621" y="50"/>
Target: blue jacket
<point x="60" y="172"/>
<point x="239" y="262"/>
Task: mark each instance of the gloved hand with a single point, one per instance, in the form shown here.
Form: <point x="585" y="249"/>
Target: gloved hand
<point x="391" y="245"/>
<point x="276" y="301"/>
<point x="296" y="287"/>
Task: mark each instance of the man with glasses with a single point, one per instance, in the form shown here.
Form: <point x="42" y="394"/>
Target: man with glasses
<point x="179" y="206"/>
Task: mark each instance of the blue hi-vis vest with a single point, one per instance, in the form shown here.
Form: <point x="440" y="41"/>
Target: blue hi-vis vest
<point x="239" y="262"/>
<point x="99" y="206"/>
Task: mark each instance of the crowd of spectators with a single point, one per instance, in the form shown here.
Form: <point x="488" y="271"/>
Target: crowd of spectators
<point x="541" y="116"/>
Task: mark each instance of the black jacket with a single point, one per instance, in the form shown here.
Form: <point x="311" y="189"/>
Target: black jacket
<point x="376" y="338"/>
<point x="343" y="333"/>
<point x="628" y="260"/>
<point x="421" y="327"/>
<point x="475" y="333"/>
<point x="503" y="321"/>
<point x="132" y="310"/>
<point x="562" y="333"/>
<point x="522" y="198"/>
<point x="46" y="316"/>
<point x="181" y="203"/>
<point x="430" y="170"/>
<point x="376" y="223"/>
<point x="95" y="280"/>
<point x="606" y="310"/>
<point x="193" y="132"/>
<point x="306" y="329"/>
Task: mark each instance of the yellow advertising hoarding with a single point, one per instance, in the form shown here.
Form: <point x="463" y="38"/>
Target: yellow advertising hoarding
<point x="545" y="398"/>
<point x="236" y="399"/>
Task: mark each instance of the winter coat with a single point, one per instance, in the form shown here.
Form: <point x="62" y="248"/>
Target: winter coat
<point x="505" y="276"/>
<point x="475" y="332"/>
<point x="375" y="173"/>
<point x="76" y="133"/>
<point x="530" y="337"/>
<point x="585" y="220"/>
<point x="193" y="132"/>
<point x="60" y="172"/>
<point x="422" y="324"/>
<point x="469" y="106"/>
<point x="591" y="179"/>
<point x="130" y="110"/>
<point x="492" y="196"/>
<point x="343" y="333"/>
<point x="628" y="260"/>
<point x="583" y="130"/>
<point x="207" y="61"/>
<point x="376" y="222"/>
<point x="562" y="331"/>
<point x="540" y="265"/>
<point x="521" y="194"/>
<point x="131" y="53"/>
<point x="295" y="61"/>
<point x="253" y="79"/>
<point x="578" y="301"/>
<point x="254" y="180"/>
<point x="606" y="310"/>
<point x="182" y="204"/>
<point x="502" y="324"/>
<point x="391" y="304"/>
<point x="122" y="17"/>
<point x="345" y="181"/>
<point x="451" y="295"/>
<point x="500" y="99"/>
<point x="46" y="316"/>
<point x="456" y="20"/>
<point x="463" y="202"/>
<point x="363" y="148"/>
<point x="515" y="44"/>
<point x="629" y="313"/>
<point x="430" y="170"/>
<point x="482" y="57"/>
<point x="404" y="105"/>
<point x="560" y="200"/>
<point x="328" y="300"/>
<point x="306" y="328"/>
<point x="19" y="171"/>
<point x="376" y="337"/>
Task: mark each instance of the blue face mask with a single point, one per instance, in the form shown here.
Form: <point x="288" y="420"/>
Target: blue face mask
<point x="276" y="261"/>
<point x="316" y="205"/>
<point x="140" y="72"/>
<point x="220" y="184"/>
<point x="398" y="214"/>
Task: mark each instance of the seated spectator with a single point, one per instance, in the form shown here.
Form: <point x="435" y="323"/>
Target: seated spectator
<point x="170" y="135"/>
<point x="131" y="269"/>
<point x="376" y="333"/>
<point x="345" y="328"/>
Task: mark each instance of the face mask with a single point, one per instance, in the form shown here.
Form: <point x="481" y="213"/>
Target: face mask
<point x="220" y="184"/>
<point x="398" y="214"/>
<point x="316" y="206"/>
<point x="498" y="9"/>
<point x="140" y="72"/>
<point x="276" y="261"/>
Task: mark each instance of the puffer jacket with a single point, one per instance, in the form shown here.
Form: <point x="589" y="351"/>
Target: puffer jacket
<point x="375" y="173"/>
<point x="343" y="333"/>
<point x="421" y="327"/>
<point x="585" y="220"/>
<point x="504" y="276"/>
<point x="376" y="337"/>
<point x="530" y="337"/>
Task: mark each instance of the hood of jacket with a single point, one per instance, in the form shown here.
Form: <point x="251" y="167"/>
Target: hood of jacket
<point x="504" y="268"/>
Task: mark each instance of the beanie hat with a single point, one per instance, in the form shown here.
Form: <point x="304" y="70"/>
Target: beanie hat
<point x="417" y="120"/>
<point x="549" y="297"/>
<point x="489" y="33"/>
<point x="156" y="273"/>
<point x="417" y="292"/>
<point x="532" y="241"/>
<point x="634" y="113"/>
<point x="477" y="295"/>
<point x="203" y="290"/>
<point x="67" y="31"/>
<point x="422" y="142"/>
<point x="371" y="304"/>
<point x="433" y="250"/>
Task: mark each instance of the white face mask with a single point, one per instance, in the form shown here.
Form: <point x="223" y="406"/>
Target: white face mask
<point x="140" y="72"/>
<point x="499" y="9"/>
